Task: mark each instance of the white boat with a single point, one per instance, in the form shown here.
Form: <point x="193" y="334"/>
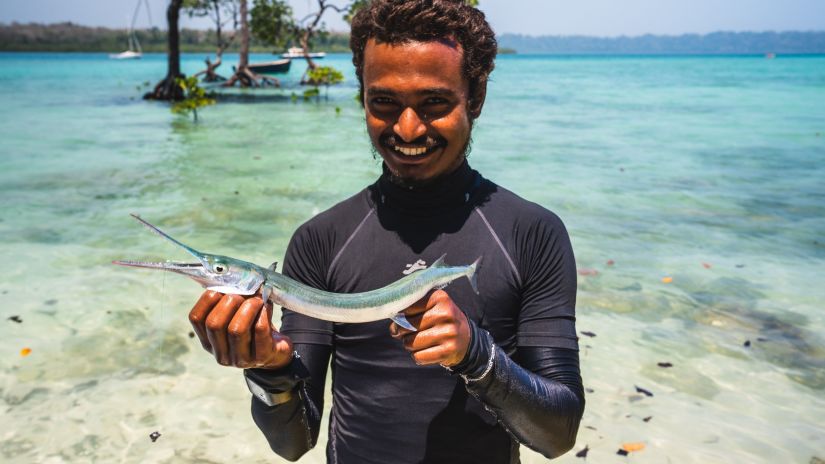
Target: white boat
<point x="298" y="52"/>
<point x="134" y="52"/>
<point x="127" y="55"/>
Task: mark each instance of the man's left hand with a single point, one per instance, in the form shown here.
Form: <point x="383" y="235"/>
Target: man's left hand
<point x="443" y="335"/>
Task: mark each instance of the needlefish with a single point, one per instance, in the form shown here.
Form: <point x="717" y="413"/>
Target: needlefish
<point x="229" y="275"/>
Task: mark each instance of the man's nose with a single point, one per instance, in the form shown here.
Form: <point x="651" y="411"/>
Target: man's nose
<point x="409" y="126"/>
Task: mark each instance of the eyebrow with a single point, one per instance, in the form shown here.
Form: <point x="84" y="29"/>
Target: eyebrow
<point x="375" y="91"/>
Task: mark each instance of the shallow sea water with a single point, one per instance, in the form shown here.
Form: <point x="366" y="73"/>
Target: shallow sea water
<point x="704" y="170"/>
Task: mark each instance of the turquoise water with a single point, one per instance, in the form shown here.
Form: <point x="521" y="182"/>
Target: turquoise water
<point x="704" y="170"/>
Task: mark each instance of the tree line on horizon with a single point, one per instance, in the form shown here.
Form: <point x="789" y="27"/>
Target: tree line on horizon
<point x="791" y="42"/>
<point x="70" y="37"/>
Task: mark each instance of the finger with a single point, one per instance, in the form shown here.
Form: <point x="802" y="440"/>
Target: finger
<point x="434" y="355"/>
<point x="199" y="312"/>
<point x="418" y="307"/>
<point x="217" y="323"/>
<point x="264" y="344"/>
<point x="272" y="349"/>
<point x="440" y="335"/>
<point x="240" y="331"/>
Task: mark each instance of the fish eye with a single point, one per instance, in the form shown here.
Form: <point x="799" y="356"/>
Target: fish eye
<point x="220" y="268"/>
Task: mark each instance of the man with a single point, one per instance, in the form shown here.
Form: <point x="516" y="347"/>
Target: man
<point x="483" y="373"/>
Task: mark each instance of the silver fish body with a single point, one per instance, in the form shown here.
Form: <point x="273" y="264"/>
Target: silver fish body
<point x="374" y="305"/>
<point x="229" y="275"/>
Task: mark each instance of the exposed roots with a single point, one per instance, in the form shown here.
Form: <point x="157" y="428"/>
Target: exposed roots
<point x="166" y="90"/>
<point x="246" y="78"/>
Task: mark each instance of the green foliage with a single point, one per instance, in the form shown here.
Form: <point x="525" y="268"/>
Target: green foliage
<point x="324" y="75"/>
<point x="271" y="22"/>
<point x="200" y="7"/>
<point x="313" y="92"/>
<point x="194" y="97"/>
<point x="353" y="8"/>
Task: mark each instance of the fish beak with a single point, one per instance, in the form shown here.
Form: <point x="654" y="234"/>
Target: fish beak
<point x="182" y="268"/>
<point x="194" y="270"/>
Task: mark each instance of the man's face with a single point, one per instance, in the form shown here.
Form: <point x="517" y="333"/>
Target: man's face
<point x="416" y="98"/>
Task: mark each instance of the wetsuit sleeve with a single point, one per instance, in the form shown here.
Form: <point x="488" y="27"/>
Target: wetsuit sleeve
<point x="307" y="260"/>
<point x="292" y="428"/>
<point x="547" y="269"/>
<point x="539" y="401"/>
<point x="537" y="395"/>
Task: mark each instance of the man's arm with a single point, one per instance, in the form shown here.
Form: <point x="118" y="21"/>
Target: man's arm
<point x="538" y="397"/>
<point x="539" y="400"/>
<point x="291" y="428"/>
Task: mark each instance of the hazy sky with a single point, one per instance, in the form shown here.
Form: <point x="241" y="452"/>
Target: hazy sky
<point x="534" y="17"/>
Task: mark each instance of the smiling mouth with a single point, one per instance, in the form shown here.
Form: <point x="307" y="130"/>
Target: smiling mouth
<point x="418" y="148"/>
<point x="412" y="151"/>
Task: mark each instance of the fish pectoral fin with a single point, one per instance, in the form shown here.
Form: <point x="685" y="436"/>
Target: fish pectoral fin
<point x="402" y="321"/>
<point x="473" y="277"/>
<point x="266" y="292"/>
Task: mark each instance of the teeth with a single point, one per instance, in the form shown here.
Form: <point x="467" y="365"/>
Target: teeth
<point x="411" y="151"/>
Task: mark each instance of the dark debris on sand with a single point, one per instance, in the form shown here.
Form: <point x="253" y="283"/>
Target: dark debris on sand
<point x="643" y="391"/>
<point x="622" y="452"/>
<point x="154" y="436"/>
<point x="16" y="319"/>
<point x="665" y="364"/>
<point x="647" y="419"/>
<point x="588" y="333"/>
<point x="583" y="452"/>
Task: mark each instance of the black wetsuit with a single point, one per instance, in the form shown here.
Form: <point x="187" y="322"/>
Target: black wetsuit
<point x="386" y="409"/>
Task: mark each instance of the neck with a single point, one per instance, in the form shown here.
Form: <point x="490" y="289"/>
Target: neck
<point x="428" y="198"/>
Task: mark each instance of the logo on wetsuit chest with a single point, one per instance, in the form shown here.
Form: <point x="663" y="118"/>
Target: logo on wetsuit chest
<point x="416" y="266"/>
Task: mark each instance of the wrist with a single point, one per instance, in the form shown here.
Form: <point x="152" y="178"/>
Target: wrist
<point x="478" y="353"/>
<point x="276" y="386"/>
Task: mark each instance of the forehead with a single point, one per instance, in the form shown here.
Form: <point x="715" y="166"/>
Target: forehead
<point x="432" y="64"/>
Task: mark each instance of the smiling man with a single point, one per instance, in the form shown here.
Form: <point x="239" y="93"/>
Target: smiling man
<point x="484" y="372"/>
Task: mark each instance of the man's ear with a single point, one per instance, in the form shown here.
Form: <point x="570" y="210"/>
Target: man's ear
<point x="476" y="101"/>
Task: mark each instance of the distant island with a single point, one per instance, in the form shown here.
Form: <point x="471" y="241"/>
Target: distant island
<point x="69" y="37"/>
<point x="717" y="43"/>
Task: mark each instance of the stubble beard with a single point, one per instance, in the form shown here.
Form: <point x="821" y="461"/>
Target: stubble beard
<point x="412" y="183"/>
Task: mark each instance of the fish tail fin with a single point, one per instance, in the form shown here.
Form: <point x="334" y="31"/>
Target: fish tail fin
<point x="439" y="262"/>
<point x="472" y="274"/>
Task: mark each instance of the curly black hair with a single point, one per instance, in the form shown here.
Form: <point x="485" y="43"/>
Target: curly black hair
<point x="399" y="21"/>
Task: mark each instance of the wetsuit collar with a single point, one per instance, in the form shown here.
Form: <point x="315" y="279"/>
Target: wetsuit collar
<point x="443" y="195"/>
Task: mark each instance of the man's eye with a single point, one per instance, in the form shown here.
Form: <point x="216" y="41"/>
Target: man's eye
<point x="436" y="101"/>
<point x="382" y="101"/>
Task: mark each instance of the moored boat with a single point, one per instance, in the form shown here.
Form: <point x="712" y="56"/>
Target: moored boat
<point x="298" y="52"/>
<point x="271" y="67"/>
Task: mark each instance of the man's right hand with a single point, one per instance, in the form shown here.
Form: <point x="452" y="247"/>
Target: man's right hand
<point x="238" y="331"/>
